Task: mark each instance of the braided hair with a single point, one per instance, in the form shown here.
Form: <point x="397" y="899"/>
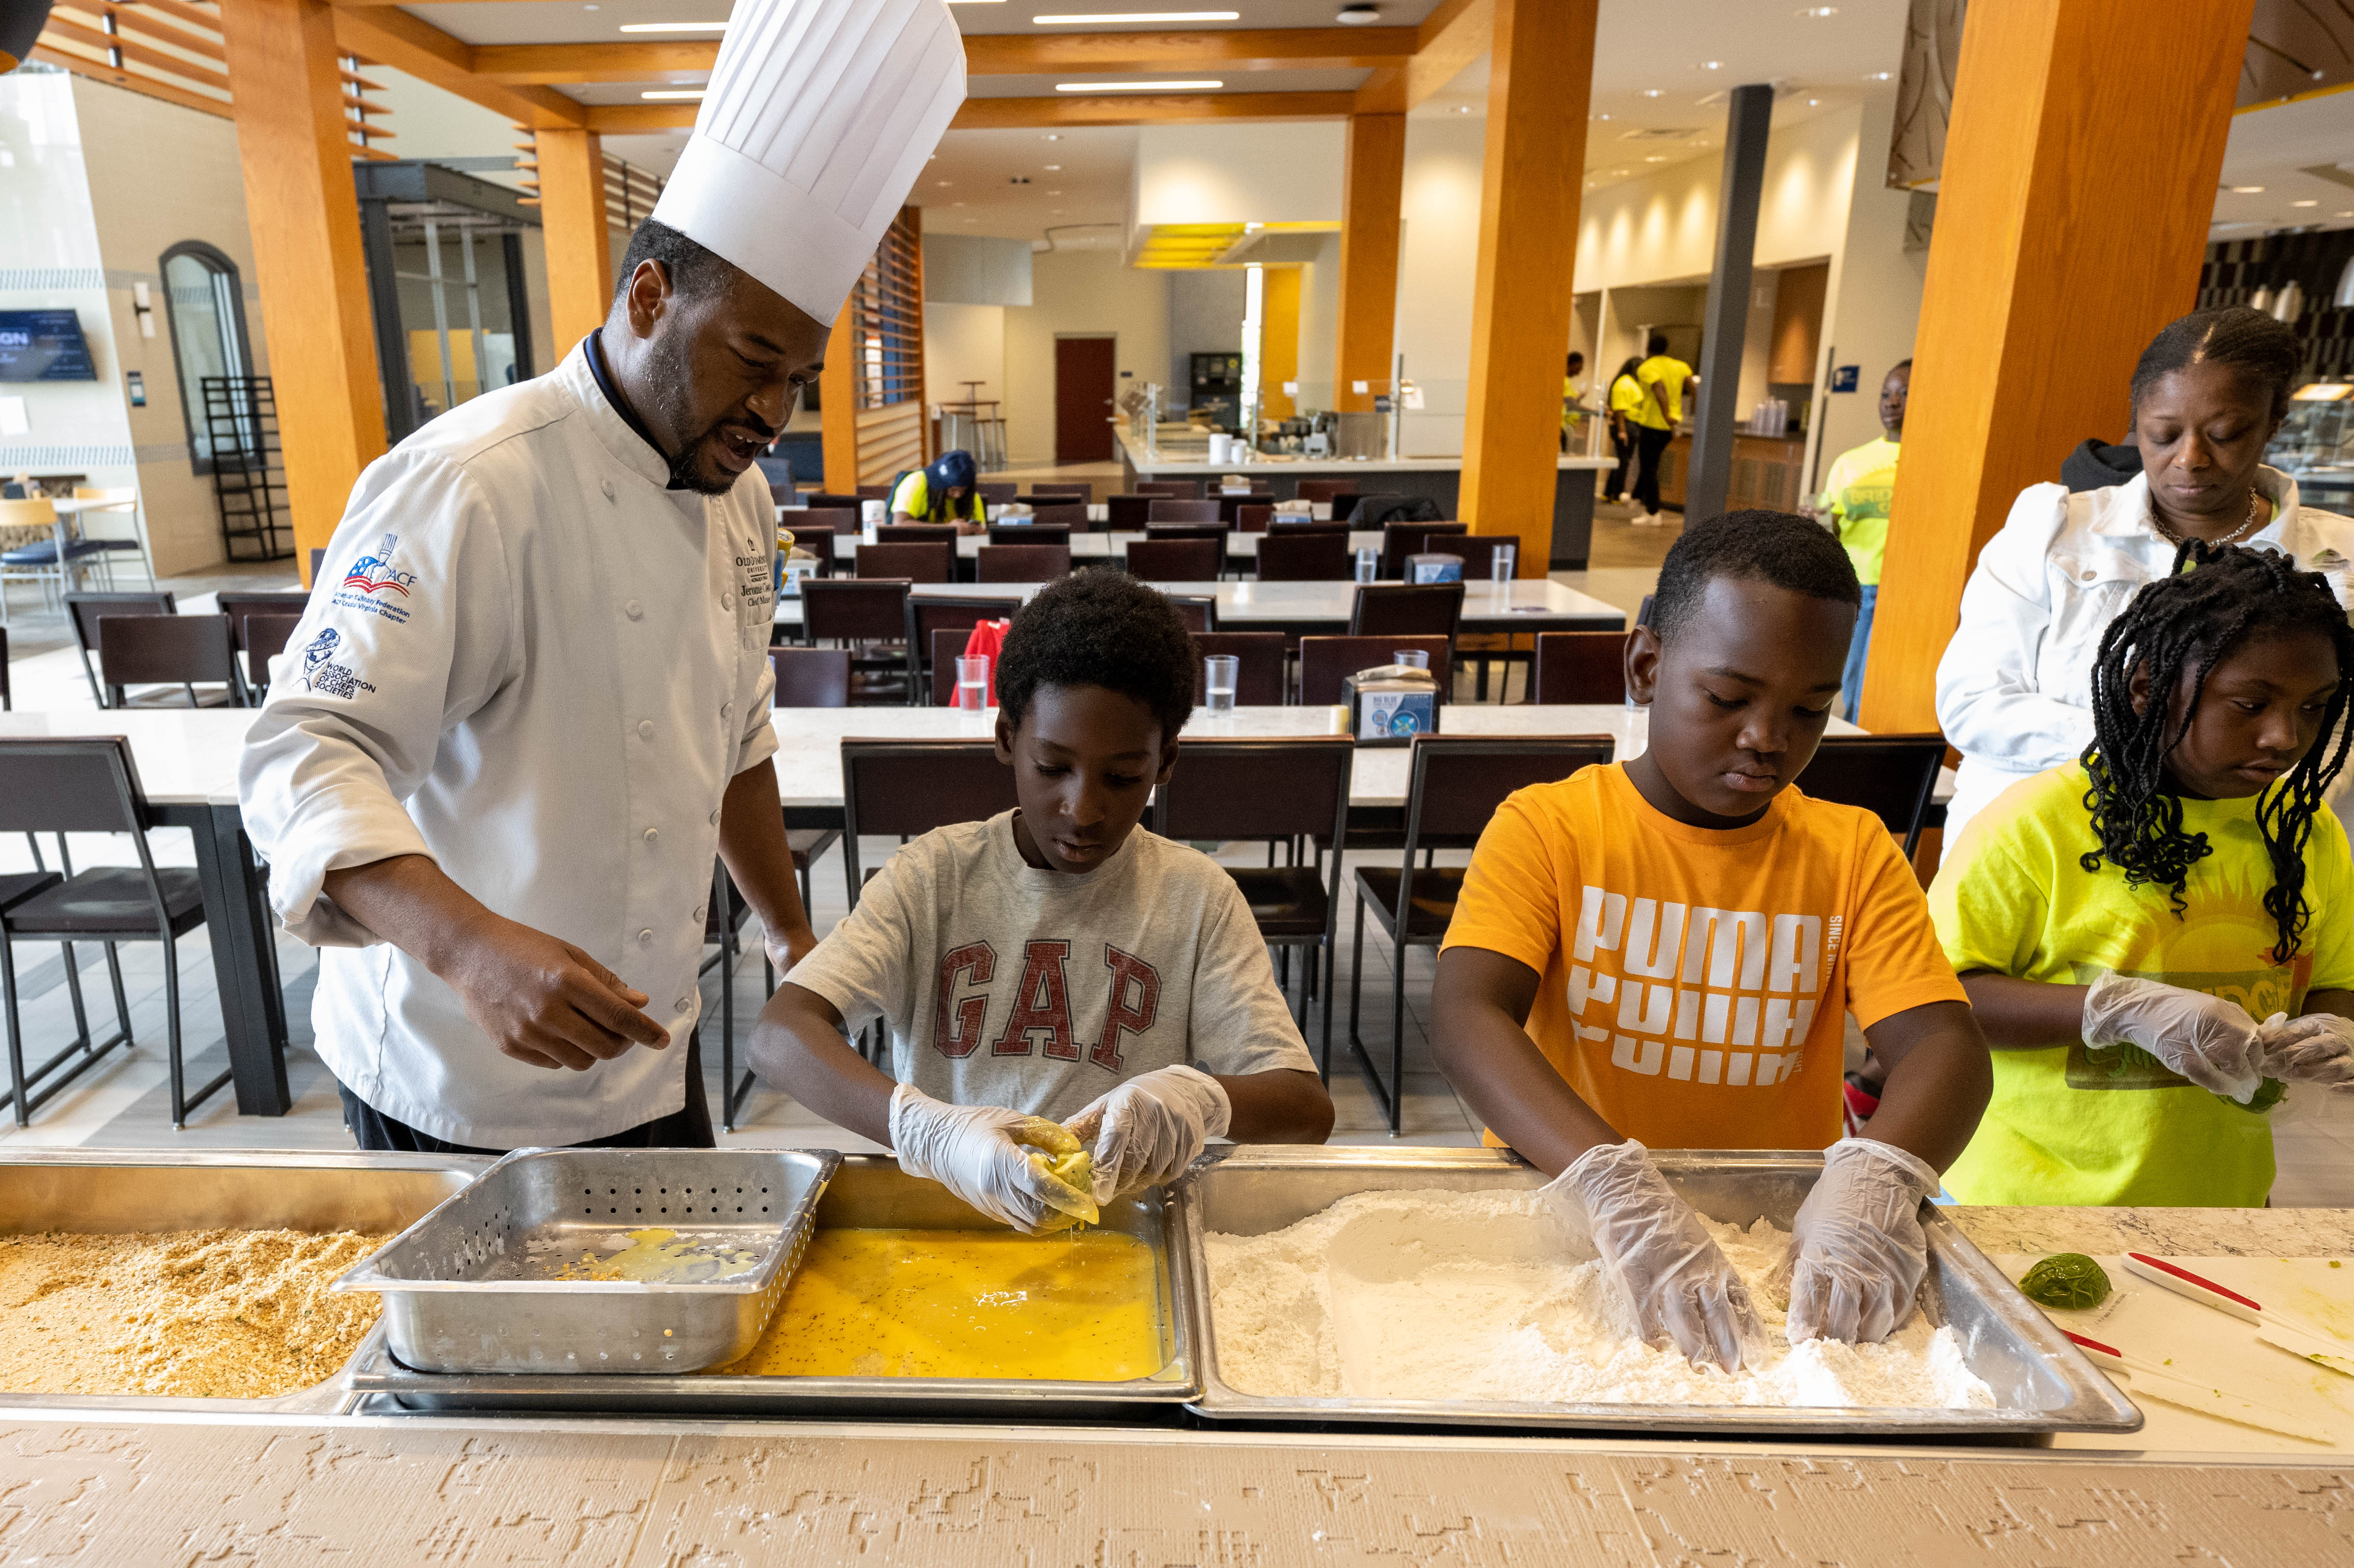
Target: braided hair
<point x="2187" y="621"/>
<point x="2249" y="341"/>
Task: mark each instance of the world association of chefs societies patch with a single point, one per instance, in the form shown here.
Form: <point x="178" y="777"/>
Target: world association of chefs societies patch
<point x="322" y="674"/>
<point x="374" y="586"/>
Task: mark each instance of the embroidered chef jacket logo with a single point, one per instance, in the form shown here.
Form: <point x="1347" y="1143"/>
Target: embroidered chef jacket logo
<point x="1733" y="996"/>
<point x="374" y="575"/>
<point x="322" y="674"/>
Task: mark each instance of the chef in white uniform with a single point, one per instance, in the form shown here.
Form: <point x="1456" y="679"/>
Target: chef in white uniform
<point x="530" y="691"/>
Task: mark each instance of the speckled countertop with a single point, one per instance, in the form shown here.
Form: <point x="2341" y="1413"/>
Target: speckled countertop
<point x="2183" y="1233"/>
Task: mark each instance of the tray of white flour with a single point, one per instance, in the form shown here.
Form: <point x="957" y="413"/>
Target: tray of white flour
<point x="1436" y="1285"/>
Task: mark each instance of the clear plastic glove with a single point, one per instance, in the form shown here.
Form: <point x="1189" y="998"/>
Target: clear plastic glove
<point x="1857" y="1249"/>
<point x="1659" y="1253"/>
<point x="2316" y="1049"/>
<point x="1147" y="1131"/>
<point x="2208" y="1040"/>
<point x="995" y="1159"/>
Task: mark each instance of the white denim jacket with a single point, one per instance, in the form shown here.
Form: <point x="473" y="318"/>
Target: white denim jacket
<point x="2014" y="689"/>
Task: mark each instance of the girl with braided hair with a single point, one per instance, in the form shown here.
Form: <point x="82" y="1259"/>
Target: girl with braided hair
<point x="2014" y="688"/>
<point x="2122" y="922"/>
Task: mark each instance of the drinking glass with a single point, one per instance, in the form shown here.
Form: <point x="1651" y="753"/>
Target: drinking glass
<point x="1369" y="561"/>
<point x="973" y="682"/>
<point x="1503" y="566"/>
<point x="1412" y="658"/>
<point x="1220" y="672"/>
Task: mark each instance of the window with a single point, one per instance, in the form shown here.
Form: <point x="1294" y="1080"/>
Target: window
<point x="889" y="298"/>
<point x="206" y="307"/>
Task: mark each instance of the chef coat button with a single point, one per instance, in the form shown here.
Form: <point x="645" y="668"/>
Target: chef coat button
<point x="726" y="601"/>
<point x="714" y="819"/>
<point x="635" y="610"/>
<point x="703" y="912"/>
<point x="646" y="937"/>
<point x="728" y="710"/>
<point x="652" y="833"/>
<point x="2087" y="575"/>
<point x="680" y="1005"/>
<point x="645" y="730"/>
<point x="607" y="486"/>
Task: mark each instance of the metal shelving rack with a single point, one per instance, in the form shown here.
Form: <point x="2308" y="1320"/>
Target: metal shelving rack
<point x="249" y="468"/>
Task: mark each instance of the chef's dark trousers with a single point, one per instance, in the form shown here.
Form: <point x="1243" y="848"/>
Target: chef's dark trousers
<point x="688" y="1128"/>
<point x="1649" y="445"/>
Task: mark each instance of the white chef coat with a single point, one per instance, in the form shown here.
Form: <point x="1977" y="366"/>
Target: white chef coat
<point x="530" y="660"/>
<point x="2015" y="687"/>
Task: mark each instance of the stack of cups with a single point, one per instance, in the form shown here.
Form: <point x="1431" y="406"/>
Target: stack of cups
<point x="1220" y="673"/>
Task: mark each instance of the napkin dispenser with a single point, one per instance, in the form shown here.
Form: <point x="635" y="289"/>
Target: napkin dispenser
<point x="1390" y="704"/>
<point x="1434" y="567"/>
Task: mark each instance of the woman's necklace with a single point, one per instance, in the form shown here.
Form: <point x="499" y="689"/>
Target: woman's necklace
<point x="2258" y="513"/>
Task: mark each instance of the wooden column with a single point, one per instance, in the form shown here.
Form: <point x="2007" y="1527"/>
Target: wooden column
<point x="579" y="247"/>
<point x="1374" y="176"/>
<point x="838" y="401"/>
<point x="1540" y="78"/>
<point x="304" y="214"/>
<point x="2079" y="178"/>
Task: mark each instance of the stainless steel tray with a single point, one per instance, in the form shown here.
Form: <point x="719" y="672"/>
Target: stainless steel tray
<point x="2041" y="1382"/>
<point x="112" y="1192"/>
<point x="467" y="1289"/>
<point x="867" y="1189"/>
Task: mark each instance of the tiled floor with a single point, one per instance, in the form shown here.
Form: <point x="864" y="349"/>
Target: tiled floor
<point x="123" y="1101"/>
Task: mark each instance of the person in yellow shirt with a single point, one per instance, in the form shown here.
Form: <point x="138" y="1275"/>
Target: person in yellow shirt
<point x="946" y="489"/>
<point x="1626" y="394"/>
<point x="1856" y="493"/>
<point x="1659" y="953"/>
<point x="1573" y="395"/>
<point x="1665" y="382"/>
<point x="2125" y="924"/>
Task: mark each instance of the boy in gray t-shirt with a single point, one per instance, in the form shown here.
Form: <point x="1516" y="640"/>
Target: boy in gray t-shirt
<point x="1055" y="964"/>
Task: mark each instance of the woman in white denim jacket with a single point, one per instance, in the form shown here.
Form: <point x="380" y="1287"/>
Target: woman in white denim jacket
<point x="2014" y="686"/>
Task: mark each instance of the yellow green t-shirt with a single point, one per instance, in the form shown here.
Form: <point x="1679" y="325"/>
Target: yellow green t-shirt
<point x="1626" y="395"/>
<point x="913" y="497"/>
<point x="1670" y="374"/>
<point x="2072" y="1125"/>
<point x="1857" y="491"/>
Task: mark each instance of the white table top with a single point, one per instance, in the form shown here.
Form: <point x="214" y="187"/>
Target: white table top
<point x="1094" y="547"/>
<point x="185" y="756"/>
<point x="1486" y="607"/>
<point x="1174" y="466"/>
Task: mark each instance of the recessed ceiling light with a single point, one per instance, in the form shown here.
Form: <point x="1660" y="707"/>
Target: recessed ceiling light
<point x="1711" y="65"/>
<point x="1358" y="16"/>
<point x="1816" y="12"/>
<point x="674" y="27"/>
<point x="1052" y="136"/>
<point x="943" y="182"/>
<point x="2342" y="215"/>
<point x="1879" y="75"/>
<point x="1462" y="108"/>
<point x="674" y="95"/>
<point x="1812" y="101"/>
<point x="1602" y="117"/>
<point x="1656" y="158"/>
<point x="1054" y="192"/>
<point x="2247" y="190"/>
<point x="1654" y="93"/>
<point x="1135" y="86"/>
<point x="1053" y="168"/>
<point x="2304" y="204"/>
<point x="1102" y="17"/>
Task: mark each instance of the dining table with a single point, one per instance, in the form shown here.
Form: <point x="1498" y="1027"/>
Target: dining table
<point x="1524" y="604"/>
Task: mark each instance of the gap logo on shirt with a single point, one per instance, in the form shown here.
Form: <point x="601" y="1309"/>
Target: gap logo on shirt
<point x="1037" y="1017"/>
<point x="372" y="583"/>
<point x="1707" y="996"/>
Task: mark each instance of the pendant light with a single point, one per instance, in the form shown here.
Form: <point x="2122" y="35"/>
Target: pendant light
<point x="2289" y="304"/>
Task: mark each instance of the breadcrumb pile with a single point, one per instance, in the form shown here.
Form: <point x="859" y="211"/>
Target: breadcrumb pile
<point x="219" y="1314"/>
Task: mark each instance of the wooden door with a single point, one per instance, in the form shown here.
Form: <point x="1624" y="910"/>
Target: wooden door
<point x="1085" y="382"/>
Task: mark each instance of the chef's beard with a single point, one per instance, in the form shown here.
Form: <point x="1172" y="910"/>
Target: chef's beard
<point x="667" y="368"/>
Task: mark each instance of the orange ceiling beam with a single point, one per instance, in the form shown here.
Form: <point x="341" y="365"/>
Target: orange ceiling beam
<point x="395" y="38"/>
<point x="1146" y="109"/>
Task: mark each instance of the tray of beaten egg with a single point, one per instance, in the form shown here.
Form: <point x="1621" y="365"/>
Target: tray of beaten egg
<point x="864" y="1291"/>
<point x="146" y="1281"/>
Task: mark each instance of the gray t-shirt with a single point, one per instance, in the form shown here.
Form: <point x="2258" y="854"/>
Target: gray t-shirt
<point x="1006" y="985"/>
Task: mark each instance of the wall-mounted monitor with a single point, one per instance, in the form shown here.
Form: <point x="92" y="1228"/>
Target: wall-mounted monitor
<point x="44" y="345"/>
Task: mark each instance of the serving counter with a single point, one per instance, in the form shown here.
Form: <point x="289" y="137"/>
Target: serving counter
<point x="374" y="1484"/>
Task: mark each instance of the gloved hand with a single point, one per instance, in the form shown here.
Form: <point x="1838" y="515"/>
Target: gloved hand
<point x="1857" y="1249"/>
<point x="2208" y="1040"/>
<point x="989" y="1156"/>
<point x="1147" y="1131"/>
<point x="2316" y="1049"/>
<point x="1660" y="1254"/>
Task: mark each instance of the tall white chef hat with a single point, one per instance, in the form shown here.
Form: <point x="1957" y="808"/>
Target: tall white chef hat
<point x="819" y="115"/>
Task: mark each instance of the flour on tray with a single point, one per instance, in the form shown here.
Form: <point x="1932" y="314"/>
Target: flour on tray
<point x="1438" y="1295"/>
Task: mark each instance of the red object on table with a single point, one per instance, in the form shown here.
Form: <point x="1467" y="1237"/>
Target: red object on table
<point x="988" y="637"/>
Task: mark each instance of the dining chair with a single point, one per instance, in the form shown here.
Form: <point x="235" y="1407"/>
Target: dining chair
<point x="1176" y="560"/>
<point x="36" y="560"/>
<point x="928" y="616"/>
<point x="1199" y="611"/>
<point x="867" y="615"/>
<point x="1289" y="557"/>
<point x="1277" y="792"/>
<point x="1127" y="514"/>
<point x="1259" y="665"/>
<point x="183" y="651"/>
<point x="84" y="610"/>
<point x="1253" y="517"/>
<point x="1081" y="491"/>
<point x="1455" y="783"/>
<point x="113" y="500"/>
<point x="997" y="494"/>
<point x="1029" y="534"/>
<point x="1173" y="510"/>
<point x="88" y="786"/>
<point x="1581" y="667"/>
<point x="265" y="637"/>
<point x="1895" y="777"/>
<point x="1068" y="516"/>
<point x="931" y="562"/>
<point x="916" y="533"/>
<point x="1179" y="489"/>
<point x="1384" y="610"/>
<point x="1326" y="490"/>
<point x="1325" y="662"/>
<point x="1022" y="563"/>
<point x="1400" y="540"/>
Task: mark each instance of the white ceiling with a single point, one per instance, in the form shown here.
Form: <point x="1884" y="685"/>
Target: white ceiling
<point x="2274" y="147"/>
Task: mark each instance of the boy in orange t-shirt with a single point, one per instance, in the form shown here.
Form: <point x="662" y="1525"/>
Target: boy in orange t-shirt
<point x="1660" y="952"/>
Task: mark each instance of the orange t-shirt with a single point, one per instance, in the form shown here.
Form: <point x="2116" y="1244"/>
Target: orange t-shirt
<point x="1695" y="978"/>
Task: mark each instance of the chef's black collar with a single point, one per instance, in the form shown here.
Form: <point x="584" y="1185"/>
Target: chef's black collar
<point x="597" y="368"/>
